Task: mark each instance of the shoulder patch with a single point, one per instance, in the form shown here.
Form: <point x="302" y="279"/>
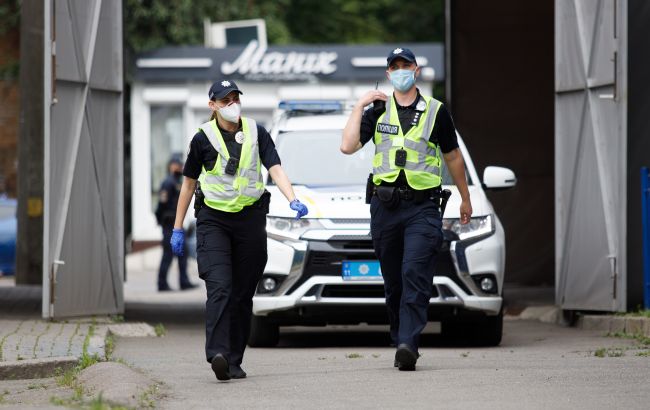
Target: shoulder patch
<point x="387" y="129"/>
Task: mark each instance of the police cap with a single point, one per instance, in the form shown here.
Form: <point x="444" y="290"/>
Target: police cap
<point x="222" y="88"/>
<point x="399" y="52"/>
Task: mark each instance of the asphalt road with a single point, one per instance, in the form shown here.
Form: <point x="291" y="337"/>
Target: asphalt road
<point x="537" y="366"/>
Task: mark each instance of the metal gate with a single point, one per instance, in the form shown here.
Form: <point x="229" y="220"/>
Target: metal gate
<point x="590" y="154"/>
<point x="83" y="256"/>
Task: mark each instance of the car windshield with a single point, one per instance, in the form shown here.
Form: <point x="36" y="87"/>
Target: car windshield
<point x="7" y="211"/>
<point x="313" y="158"/>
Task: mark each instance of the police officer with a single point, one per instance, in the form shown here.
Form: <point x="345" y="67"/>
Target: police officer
<point x="166" y="214"/>
<point x="412" y="133"/>
<point x="226" y="155"/>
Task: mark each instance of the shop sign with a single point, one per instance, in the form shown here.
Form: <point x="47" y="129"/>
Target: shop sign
<point x="255" y="63"/>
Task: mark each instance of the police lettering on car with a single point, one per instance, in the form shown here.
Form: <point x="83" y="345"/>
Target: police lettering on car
<point x="413" y="134"/>
<point x="226" y="156"/>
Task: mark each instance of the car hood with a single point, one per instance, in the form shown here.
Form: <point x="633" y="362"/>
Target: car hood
<point x="348" y="202"/>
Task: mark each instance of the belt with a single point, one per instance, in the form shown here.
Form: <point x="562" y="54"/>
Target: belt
<point x="408" y="194"/>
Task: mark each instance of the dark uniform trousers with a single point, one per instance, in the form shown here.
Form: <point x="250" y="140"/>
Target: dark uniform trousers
<point x="231" y="256"/>
<point x="168" y="257"/>
<point x="406" y="240"/>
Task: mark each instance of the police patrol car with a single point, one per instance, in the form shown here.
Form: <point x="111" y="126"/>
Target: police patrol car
<point x="322" y="268"/>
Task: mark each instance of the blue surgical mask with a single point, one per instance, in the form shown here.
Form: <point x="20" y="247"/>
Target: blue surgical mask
<point x="402" y="80"/>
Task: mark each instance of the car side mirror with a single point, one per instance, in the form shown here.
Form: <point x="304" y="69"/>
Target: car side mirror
<point x="496" y="178"/>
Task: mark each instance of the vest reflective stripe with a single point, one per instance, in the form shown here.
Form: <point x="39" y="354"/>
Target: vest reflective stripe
<point x="423" y="160"/>
<point x="231" y="193"/>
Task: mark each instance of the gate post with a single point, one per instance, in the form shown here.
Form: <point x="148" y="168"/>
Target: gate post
<point x="645" y="221"/>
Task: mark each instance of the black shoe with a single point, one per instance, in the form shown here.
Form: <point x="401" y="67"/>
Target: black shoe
<point x="405" y="358"/>
<point x="189" y="286"/>
<point x="220" y="367"/>
<point x="236" y="372"/>
<point x="395" y="363"/>
<point x="164" y="288"/>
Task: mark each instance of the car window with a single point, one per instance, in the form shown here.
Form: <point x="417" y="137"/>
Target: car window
<point x="313" y="158"/>
<point x="7" y="211"/>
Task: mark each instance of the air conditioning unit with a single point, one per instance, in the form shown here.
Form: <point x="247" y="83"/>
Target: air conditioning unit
<point x="234" y="33"/>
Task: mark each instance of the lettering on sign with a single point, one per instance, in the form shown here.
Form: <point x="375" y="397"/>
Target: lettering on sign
<point x="254" y="63"/>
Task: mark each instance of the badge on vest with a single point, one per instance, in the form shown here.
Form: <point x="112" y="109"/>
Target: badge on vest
<point x="239" y="137"/>
<point x="387" y="129"/>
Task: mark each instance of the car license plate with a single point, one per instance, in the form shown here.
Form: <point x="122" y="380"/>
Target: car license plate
<point x="361" y="270"/>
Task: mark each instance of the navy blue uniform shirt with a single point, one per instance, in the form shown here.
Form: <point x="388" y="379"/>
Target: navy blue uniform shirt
<point x="170" y="190"/>
<point x="203" y="154"/>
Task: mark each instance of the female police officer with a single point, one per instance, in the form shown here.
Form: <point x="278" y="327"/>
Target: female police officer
<point x="225" y="156"/>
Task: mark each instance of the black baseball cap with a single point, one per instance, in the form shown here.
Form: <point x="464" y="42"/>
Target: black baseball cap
<point x="222" y="88"/>
<point x="175" y="158"/>
<point x="399" y="52"/>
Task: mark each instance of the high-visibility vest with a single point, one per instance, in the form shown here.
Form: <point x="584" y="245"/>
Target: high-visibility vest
<point x="231" y="193"/>
<point x="423" y="161"/>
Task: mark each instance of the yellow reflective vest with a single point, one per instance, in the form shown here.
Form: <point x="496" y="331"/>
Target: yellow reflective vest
<point x="231" y="193"/>
<point x="423" y="161"/>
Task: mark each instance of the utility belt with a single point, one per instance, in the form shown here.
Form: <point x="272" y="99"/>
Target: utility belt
<point x="390" y="196"/>
<point x="199" y="201"/>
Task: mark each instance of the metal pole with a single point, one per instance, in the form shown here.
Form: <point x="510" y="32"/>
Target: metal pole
<point x="645" y="223"/>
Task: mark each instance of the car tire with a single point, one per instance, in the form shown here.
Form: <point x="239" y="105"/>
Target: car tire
<point x="263" y="333"/>
<point x="489" y="330"/>
<point x="485" y="331"/>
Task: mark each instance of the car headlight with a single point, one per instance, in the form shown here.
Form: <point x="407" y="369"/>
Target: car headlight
<point x="479" y="226"/>
<point x="289" y="228"/>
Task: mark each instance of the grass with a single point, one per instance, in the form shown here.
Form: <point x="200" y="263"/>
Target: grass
<point x="607" y="352"/>
<point x="643" y="340"/>
<point x="639" y="312"/>
<point x="353" y="356"/>
<point x="160" y="330"/>
<point x="47" y="328"/>
<point x="644" y="354"/>
<point x="465" y="354"/>
<point x="109" y="346"/>
<point x="2" y="342"/>
<point x="117" y="318"/>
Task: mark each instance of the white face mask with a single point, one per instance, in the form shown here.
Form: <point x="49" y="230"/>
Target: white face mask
<point x="231" y="112"/>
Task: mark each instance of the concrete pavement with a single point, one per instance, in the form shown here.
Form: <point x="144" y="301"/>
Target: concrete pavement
<point x="538" y="364"/>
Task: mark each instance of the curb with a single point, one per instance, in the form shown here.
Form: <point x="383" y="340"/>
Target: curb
<point x="49" y="366"/>
<point x="36" y="368"/>
<point x="634" y="325"/>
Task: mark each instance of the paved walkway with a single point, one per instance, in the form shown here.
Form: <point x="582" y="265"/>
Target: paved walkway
<point x="25" y="336"/>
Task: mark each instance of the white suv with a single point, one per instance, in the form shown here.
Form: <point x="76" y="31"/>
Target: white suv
<point x="307" y="280"/>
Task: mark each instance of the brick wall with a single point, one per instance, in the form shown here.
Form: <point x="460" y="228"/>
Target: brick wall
<point x="9" y="112"/>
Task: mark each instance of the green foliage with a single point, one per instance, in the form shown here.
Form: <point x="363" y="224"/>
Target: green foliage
<point x="9" y="16"/>
<point x="160" y="330"/>
<point x="150" y="24"/>
<point x="366" y="22"/>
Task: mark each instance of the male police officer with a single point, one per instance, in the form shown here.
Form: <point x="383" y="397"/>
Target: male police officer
<point x="166" y="214"/>
<point x="409" y="135"/>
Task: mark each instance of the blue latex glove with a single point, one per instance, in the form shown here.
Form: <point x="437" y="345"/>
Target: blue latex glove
<point x="298" y="206"/>
<point x="177" y="242"/>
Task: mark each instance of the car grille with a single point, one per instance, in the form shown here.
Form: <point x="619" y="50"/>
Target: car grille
<point x="358" y="291"/>
<point x="325" y="259"/>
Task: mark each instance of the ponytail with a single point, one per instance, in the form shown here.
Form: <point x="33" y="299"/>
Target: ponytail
<point x="213" y="116"/>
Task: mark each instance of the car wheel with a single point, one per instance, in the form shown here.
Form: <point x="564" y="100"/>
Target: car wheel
<point x="263" y="333"/>
<point x="489" y="330"/>
<point x="486" y="331"/>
